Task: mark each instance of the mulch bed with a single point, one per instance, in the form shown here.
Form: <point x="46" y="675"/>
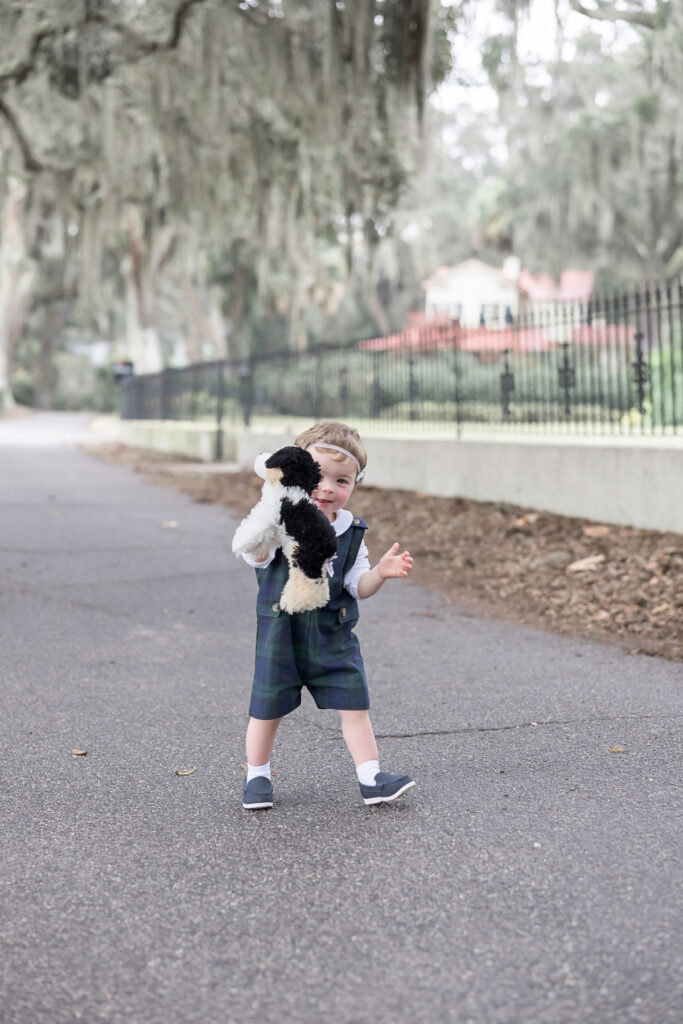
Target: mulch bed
<point x="572" y="576"/>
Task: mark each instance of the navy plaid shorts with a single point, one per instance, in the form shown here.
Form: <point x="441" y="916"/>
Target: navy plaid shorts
<point x="317" y="649"/>
<point x="314" y="649"/>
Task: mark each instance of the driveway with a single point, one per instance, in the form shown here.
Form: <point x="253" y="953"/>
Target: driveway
<point x="533" y="876"/>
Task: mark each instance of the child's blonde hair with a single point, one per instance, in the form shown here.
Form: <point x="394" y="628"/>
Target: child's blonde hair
<point x="331" y="432"/>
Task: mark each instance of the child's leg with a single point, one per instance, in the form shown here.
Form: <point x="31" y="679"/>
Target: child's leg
<point x="260" y="739"/>
<point x="258" y="790"/>
<point x="376" y="787"/>
<point x="359" y="736"/>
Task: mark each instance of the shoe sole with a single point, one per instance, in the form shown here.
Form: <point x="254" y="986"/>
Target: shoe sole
<point x="388" y="799"/>
<point x="257" y="807"/>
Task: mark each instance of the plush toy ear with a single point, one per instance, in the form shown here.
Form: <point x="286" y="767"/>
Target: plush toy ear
<point x="280" y="458"/>
<point x="299" y="468"/>
<point x="260" y="464"/>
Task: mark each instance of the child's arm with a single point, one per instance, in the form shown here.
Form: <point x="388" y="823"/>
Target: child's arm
<point x="390" y="566"/>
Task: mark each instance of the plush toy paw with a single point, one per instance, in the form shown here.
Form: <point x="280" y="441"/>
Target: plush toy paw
<point x="303" y="594"/>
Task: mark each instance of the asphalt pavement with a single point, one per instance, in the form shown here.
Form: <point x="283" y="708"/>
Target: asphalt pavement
<point x="532" y="877"/>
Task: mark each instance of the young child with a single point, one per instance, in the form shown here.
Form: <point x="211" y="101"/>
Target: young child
<point x="318" y="649"/>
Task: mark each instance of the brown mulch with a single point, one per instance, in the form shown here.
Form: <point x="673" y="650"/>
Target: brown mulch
<point x="572" y="576"/>
<point x="14" y="413"/>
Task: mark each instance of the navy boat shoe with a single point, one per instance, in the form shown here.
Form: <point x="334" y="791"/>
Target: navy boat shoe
<point x="387" y="788"/>
<point x="258" y="794"/>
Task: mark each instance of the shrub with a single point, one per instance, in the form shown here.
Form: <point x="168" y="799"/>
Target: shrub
<point x="22" y="387"/>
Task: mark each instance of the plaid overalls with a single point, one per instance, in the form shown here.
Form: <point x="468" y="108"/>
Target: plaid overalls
<point x="315" y="649"/>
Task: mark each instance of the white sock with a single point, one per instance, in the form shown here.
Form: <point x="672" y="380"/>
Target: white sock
<point x="366" y="772"/>
<point x="254" y="770"/>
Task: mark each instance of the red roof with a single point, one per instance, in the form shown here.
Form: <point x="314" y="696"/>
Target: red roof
<point x="436" y="335"/>
<point x="520" y="339"/>
<point x="576" y="285"/>
<point x="487" y="339"/>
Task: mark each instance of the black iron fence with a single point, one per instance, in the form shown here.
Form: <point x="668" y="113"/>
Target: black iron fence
<point x="612" y="365"/>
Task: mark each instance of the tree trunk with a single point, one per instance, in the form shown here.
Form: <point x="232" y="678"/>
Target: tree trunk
<point x="15" y="282"/>
<point x="203" y="327"/>
<point x="142" y="337"/>
<point x="375" y="307"/>
<point x="216" y="323"/>
<point x="298" y="335"/>
<point x="45" y="380"/>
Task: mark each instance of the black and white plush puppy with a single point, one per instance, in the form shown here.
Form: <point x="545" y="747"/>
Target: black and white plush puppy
<point x="286" y="517"/>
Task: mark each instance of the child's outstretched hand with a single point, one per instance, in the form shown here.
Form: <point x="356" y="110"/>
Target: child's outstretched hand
<point x="393" y="565"/>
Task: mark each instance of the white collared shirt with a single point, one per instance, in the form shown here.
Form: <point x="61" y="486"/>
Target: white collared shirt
<point x="341" y="524"/>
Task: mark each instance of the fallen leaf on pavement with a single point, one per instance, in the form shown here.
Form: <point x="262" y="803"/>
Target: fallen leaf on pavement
<point x="586" y="564"/>
<point x="78" y="753"/>
<point x="186" y="771"/>
<point x="617" y="750"/>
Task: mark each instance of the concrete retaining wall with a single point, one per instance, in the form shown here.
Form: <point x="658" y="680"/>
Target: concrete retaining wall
<point x="629" y="481"/>
<point x="196" y="440"/>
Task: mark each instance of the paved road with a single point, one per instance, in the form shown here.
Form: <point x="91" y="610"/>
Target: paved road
<point x="533" y="876"/>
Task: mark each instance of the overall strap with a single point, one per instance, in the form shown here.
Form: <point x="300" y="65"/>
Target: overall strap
<point x="357" y="533"/>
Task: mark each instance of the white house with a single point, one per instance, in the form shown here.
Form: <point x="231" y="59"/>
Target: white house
<point x="475" y="293"/>
<point x="479" y="295"/>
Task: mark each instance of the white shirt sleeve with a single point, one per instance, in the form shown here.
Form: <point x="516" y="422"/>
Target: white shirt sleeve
<point x="360" y="566"/>
<point x="259" y="565"/>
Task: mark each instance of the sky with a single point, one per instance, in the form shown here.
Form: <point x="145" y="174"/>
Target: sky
<point x="537" y="42"/>
<point x="467" y="93"/>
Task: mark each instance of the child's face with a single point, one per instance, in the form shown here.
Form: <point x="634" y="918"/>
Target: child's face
<point x="337" y="483"/>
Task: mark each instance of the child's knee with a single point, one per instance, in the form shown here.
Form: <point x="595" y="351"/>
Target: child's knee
<point x="353" y="715"/>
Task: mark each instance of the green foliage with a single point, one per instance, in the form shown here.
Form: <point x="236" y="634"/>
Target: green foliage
<point x="666" y="379"/>
<point x="280" y="130"/>
<point x="647" y="106"/>
<point x="105" y="394"/>
<point x="22" y="387"/>
<point x="594" y="170"/>
<point x="435" y="385"/>
<point x="445" y="22"/>
<point x="496" y="59"/>
<point x="570" y="386"/>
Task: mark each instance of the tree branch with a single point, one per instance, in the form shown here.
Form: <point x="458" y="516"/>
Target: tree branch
<point x="607" y="12"/>
<point x="146" y="47"/>
<point x="20" y="71"/>
<point x="26" y="64"/>
<point x="49" y="298"/>
<point x="31" y="163"/>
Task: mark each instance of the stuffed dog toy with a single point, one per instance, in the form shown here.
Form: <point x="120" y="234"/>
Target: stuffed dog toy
<point x="287" y="518"/>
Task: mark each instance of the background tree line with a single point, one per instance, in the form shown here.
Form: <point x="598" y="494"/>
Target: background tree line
<point x="191" y="179"/>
